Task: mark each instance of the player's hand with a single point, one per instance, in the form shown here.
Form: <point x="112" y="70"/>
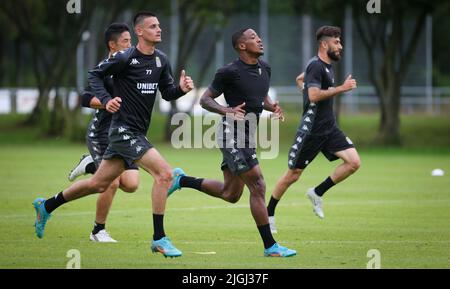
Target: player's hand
<point x="278" y="112"/>
<point x="349" y="84"/>
<point x="238" y="112"/>
<point x="186" y="82"/>
<point x="300" y="80"/>
<point x="113" y="105"/>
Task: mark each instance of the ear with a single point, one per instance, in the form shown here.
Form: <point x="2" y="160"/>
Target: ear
<point x="112" y="45"/>
<point x="138" y="30"/>
<point x="242" y="46"/>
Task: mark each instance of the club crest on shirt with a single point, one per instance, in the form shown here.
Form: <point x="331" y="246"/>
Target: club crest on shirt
<point x="260" y="72"/>
<point x="158" y="61"/>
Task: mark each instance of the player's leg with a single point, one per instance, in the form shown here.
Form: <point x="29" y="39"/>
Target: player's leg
<point x="254" y="181"/>
<point x="288" y="178"/>
<point x="104" y="202"/>
<point x="153" y="163"/>
<point x="107" y="172"/>
<point x="230" y="190"/>
<point x="129" y="180"/>
<point x="336" y="146"/>
<point x="351" y="163"/>
<point x="303" y="151"/>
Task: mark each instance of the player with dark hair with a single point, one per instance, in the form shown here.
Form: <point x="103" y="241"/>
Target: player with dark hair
<point x="138" y="73"/>
<point x="245" y="84"/>
<point x="117" y="38"/>
<point x="318" y="130"/>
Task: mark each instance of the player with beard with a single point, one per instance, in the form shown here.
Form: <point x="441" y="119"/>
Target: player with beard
<point x="318" y="130"/>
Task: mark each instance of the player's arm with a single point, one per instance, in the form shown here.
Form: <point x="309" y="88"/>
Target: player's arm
<point x="89" y="100"/>
<point x="300" y="81"/>
<point x="208" y="102"/>
<point x="113" y="65"/>
<point x="170" y="91"/>
<point x="316" y="94"/>
<point x="274" y="107"/>
<point x="95" y="103"/>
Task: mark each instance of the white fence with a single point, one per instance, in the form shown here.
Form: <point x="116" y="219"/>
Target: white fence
<point x="363" y="99"/>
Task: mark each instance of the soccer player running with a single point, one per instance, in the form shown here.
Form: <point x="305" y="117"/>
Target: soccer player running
<point x="117" y="38"/>
<point x="137" y="73"/>
<point x="318" y="130"/>
<point x="245" y="84"/>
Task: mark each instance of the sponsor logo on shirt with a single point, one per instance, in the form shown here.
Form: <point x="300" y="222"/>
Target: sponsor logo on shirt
<point x="147" y="88"/>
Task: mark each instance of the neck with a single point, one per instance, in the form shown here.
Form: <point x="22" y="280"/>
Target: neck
<point x="324" y="57"/>
<point x="247" y="58"/>
<point x="147" y="48"/>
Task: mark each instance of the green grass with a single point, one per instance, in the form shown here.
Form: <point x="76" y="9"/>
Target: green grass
<point x="392" y="204"/>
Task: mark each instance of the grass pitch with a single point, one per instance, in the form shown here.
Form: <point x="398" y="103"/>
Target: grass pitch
<point x="392" y="204"/>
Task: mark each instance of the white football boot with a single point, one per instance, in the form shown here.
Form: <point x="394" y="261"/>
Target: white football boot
<point x="316" y="202"/>
<point x="102" y="237"/>
<point x="80" y="169"/>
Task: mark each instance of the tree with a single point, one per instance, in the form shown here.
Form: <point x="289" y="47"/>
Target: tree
<point x="386" y="33"/>
<point x="50" y="33"/>
<point x="49" y="36"/>
<point x="194" y="17"/>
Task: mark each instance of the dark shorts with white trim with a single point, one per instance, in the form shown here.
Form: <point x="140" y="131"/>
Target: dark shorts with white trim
<point x="127" y="145"/>
<point x="239" y="160"/>
<point x="306" y="147"/>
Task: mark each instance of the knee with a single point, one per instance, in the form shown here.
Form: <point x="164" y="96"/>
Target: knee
<point x="258" y="187"/>
<point x="129" y="187"/>
<point x="164" y="178"/>
<point x="354" y="165"/>
<point x="234" y="198"/>
<point x="100" y="186"/>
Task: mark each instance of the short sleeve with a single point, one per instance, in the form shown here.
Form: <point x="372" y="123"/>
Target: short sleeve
<point x="313" y="76"/>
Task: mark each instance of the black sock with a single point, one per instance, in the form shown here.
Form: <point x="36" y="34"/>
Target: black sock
<point x="271" y="206"/>
<point x="97" y="228"/>
<point x="191" y="182"/>
<point x="158" y="227"/>
<point x="324" y="186"/>
<point x="266" y="236"/>
<point x="54" y="202"/>
<point x="91" y="168"/>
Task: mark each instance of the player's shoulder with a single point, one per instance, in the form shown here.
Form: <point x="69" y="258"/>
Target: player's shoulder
<point x="315" y="63"/>
<point x="122" y="56"/>
<point x="161" y="54"/>
<point x="230" y="68"/>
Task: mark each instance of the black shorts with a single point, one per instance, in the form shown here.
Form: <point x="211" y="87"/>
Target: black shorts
<point x="306" y="147"/>
<point x="127" y="145"/>
<point x="97" y="148"/>
<point x="238" y="160"/>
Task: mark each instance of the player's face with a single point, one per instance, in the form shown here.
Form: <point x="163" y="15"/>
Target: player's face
<point x="253" y="43"/>
<point x="150" y="30"/>
<point x="122" y="43"/>
<point x="334" y="48"/>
